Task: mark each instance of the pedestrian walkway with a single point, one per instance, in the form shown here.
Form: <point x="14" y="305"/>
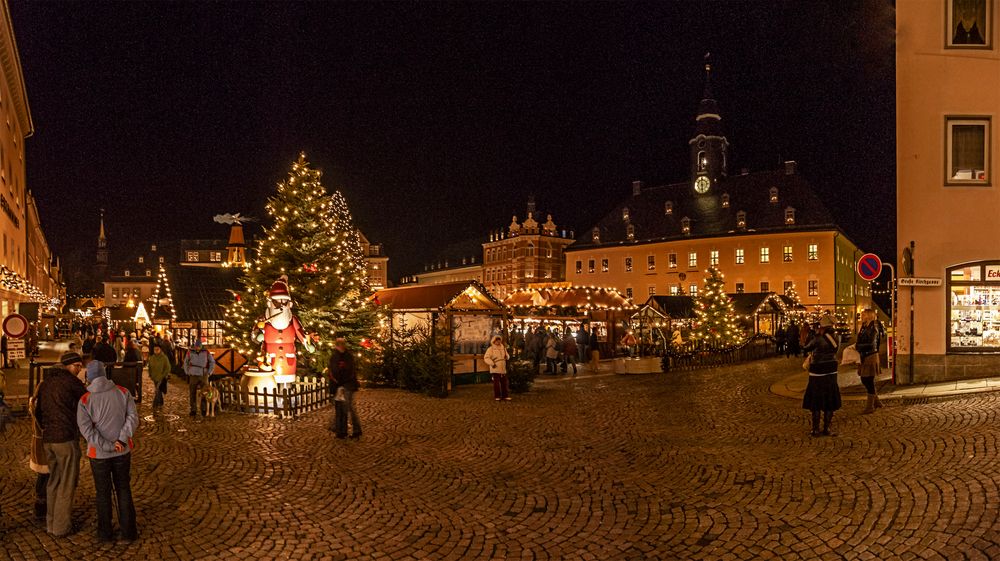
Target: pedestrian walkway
<point x="794" y="387"/>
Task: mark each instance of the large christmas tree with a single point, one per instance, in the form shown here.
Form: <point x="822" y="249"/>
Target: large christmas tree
<point x="715" y="320"/>
<point x="311" y="238"/>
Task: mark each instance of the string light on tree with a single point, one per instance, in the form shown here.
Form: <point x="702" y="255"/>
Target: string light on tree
<point x="715" y="320"/>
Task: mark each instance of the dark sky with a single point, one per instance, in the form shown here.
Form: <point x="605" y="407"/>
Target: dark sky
<point x="438" y="120"/>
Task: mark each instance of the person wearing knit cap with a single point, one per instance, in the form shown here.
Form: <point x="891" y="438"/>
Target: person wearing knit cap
<point x="822" y="392"/>
<point x="107" y="419"/>
<point x="56" y="398"/>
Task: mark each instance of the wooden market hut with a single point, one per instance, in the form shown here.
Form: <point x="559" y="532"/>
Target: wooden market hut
<point x="605" y="309"/>
<point x="657" y="319"/>
<point x="462" y="316"/>
<point x="763" y="312"/>
<point x="191" y="301"/>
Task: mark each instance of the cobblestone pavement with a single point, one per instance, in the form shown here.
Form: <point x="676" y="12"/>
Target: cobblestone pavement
<point x="696" y="465"/>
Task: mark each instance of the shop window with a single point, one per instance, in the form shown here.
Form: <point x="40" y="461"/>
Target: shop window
<point x="814" y="288"/>
<point x="693" y="290"/>
<point x="590" y="265"/>
<point x="813" y="252"/>
<point x="604" y="265"/>
<point x="967" y="151"/>
<point x="579" y="267"/>
<point x="765" y="255"/>
<point x="692" y="260"/>
<point x="628" y="264"/>
<point x="765" y="286"/>
<point x="650" y="262"/>
<point x="786" y="254"/>
<point x="713" y="257"/>
<point x="739" y="288"/>
<point x="973" y="293"/>
<point x="740" y="257"/>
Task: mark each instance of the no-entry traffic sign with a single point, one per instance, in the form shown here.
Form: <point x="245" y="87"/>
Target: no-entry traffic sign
<point x="869" y="266"/>
<point x="15" y="326"/>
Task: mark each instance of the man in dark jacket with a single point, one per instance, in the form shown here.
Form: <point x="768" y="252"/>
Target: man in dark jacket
<point x="345" y="383"/>
<point x="57" y="397"/>
<point x="105" y="353"/>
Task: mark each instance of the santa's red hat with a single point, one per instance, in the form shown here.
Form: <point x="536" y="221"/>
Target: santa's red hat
<point x="279" y="288"/>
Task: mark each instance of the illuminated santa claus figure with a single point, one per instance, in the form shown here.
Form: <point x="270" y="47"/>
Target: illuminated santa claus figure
<point x="279" y="329"/>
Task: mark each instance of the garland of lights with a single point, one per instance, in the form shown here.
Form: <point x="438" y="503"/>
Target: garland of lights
<point x="163" y="282"/>
<point x="715" y="320"/>
<point x="10" y="280"/>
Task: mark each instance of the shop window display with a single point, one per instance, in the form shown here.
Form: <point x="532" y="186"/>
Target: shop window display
<point x="974" y="308"/>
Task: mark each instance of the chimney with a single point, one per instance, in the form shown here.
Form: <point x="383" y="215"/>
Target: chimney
<point x="789" y="167"/>
<point x="636" y="188"/>
<point x="744" y="171"/>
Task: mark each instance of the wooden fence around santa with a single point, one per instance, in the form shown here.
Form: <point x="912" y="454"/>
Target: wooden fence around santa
<point x="693" y="357"/>
<point x="304" y="395"/>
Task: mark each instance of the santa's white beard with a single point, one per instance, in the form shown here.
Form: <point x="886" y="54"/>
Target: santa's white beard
<point x="279" y="320"/>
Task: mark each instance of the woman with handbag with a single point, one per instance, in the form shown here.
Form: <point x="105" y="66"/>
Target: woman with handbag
<point x="869" y="341"/>
<point x="496" y="358"/>
<point x="159" y="372"/>
<point x="822" y="393"/>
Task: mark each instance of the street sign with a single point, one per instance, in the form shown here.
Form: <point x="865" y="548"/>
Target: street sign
<point x="15" y="326"/>
<point x="919" y="281"/>
<point x="869" y="266"/>
<point x="15" y="345"/>
<point x="13" y="355"/>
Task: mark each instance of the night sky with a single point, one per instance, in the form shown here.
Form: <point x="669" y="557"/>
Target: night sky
<point x="437" y="121"/>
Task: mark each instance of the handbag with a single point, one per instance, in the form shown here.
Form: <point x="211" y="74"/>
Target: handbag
<point x="807" y="362"/>
<point x="341" y="394"/>
<point x="850" y="356"/>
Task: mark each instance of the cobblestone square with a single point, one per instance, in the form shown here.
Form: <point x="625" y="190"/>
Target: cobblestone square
<point x="693" y="465"/>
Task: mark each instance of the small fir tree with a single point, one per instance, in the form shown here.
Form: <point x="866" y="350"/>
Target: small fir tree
<point x="715" y="320"/>
<point x="312" y="240"/>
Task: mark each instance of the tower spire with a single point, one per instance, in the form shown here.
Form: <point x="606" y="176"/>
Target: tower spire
<point x="709" y="146"/>
<point x="101" y="236"/>
<point x="708" y="77"/>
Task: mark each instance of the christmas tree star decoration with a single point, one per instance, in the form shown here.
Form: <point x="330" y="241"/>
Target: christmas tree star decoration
<point x="311" y="240"/>
<point x="715" y="319"/>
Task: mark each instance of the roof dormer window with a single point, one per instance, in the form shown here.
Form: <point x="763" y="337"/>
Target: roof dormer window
<point x="668" y="207"/>
<point x="725" y="200"/>
<point x="625" y="213"/>
<point x="595" y="235"/>
<point x="127" y="272"/>
<point x="773" y="194"/>
<point x="630" y="232"/>
<point x="789" y="216"/>
<point x="741" y="219"/>
<point x="686" y="225"/>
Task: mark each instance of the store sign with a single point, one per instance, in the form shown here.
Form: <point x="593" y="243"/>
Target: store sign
<point x="993" y="272"/>
<point x="920" y="281"/>
<point x="9" y="211"/>
<point x="182" y="325"/>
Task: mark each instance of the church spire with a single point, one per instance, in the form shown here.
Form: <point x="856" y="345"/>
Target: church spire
<point x="709" y="147"/>
<point x="101" y="237"/>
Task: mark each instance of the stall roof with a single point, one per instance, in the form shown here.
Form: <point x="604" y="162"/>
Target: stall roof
<point x="673" y="307"/>
<point x="749" y="303"/>
<point x="580" y="297"/>
<point x="464" y="295"/>
<point x="200" y="293"/>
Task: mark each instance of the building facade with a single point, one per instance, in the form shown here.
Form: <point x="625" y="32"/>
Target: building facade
<point x="42" y="267"/>
<point x="766" y="232"/>
<point x="947" y="94"/>
<point x="377" y="262"/>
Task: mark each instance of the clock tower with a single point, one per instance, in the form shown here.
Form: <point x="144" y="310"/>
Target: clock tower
<point x="709" y="148"/>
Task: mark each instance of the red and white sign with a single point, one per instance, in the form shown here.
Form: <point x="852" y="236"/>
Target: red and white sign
<point x="869" y="266"/>
<point x="15" y="326"/>
<point x="993" y="272"/>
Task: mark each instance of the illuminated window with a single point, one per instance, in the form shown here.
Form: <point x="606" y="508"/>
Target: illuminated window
<point x="741" y="219"/>
<point x="604" y="265"/>
<point x="650" y="262"/>
<point x="114" y="293"/>
<point x="215" y="256"/>
<point x="579" y="267"/>
<point x="595" y="235"/>
<point x="739" y="256"/>
<point x="693" y="260"/>
<point x="702" y="161"/>
<point x="725" y="200"/>
<point x="693" y="290"/>
<point x="786" y="254"/>
<point x="149" y="273"/>
<point x="773" y="194"/>
<point x="628" y="293"/>
<point x="788" y="285"/>
<point x="192" y="256"/>
<point x="128" y="273"/>
<point x="967" y="151"/>
<point x="713" y="257"/>
<point x="668" y="207"/>
<point x="813" y="252"/>
<point x="675" y="290"/>
<point x="141" y="258"/>
<point x="814" y="288"/>
<point x="625" y="213"/>
<point x="686" y="225"/>
<point x="765" y="286"/>
<point x="672" y="260"/>
<point x="548" y="252"/>
<point x="765" y="255"/>
<point x="590" y="266"/>
<point x="652" y="290"/>
<point x="628" y="264"/>
<point x="789" y="216"/>
<point x="630" y="232"/>
<point x="739" y="288"/>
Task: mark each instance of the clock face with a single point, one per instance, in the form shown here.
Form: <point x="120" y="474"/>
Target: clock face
<point x="702" y="184"/>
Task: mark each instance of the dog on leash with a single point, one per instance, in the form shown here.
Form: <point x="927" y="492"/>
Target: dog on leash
<point x="210" y="395"/>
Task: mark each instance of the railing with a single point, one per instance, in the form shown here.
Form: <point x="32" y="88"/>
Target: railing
<point x="693" y="357"/>
<point x="128" y="375"/>
<point x="289" y="401"/>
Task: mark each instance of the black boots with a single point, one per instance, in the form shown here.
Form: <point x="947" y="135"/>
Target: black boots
<point x="827" y="421"/>
<point x="815" y="429"/>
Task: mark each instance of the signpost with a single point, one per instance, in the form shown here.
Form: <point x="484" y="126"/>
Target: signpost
<point x="15" y="326"/>
<point x="919" y="281"/>
<point x="869" y="267"/>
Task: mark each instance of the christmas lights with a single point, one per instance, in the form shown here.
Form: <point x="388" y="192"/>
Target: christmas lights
<point x="715" y="321"/>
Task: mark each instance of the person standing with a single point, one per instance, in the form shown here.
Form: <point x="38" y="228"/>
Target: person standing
<point x="105" y="353"/>
<point x="822" y="392"/>
<point x="55" y="411"/>
<point x="38" y="461"/>
<point x="107" y="419"/>
<point x="344" y="378"/>
<point x="583" y="344"/>
<point x="199" y="364"/>
<point x="496" y="358"/>
<point x="792" y="346"/>
<point x="551" y="352"/>
<point x="159" y="372"/>
<point x="569" y="351"/>
<point x="538" y="348"/>
<point x="867" y="345"/>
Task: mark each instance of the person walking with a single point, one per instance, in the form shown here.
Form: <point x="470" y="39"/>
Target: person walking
<point x="822" y="392"/>
<point x="55" y="411"/>
<point x="131" y="353"/>
<point x="199" y="364"/>
<point x="345" y="383"/>
<point x="551" y="352"/>
<point x="792" y="346"/>
<point x="159" y="372"/>
<point x="538" y="348"/>
<point x="569" y="352"/>
<point x="868" y="344"/>
<point x="496" y="358"/>
<point x="107" y="420"/>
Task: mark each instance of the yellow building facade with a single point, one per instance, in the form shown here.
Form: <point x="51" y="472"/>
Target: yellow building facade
<point x="947" y="97"/>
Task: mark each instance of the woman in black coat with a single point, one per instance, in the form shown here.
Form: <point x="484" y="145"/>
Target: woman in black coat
<point x="822" y="393"/>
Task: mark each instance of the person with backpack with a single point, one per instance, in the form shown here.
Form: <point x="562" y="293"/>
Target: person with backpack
<point x="822" y="392"/>
<point x="199" y="364"/>
<point x="868" y="344"/>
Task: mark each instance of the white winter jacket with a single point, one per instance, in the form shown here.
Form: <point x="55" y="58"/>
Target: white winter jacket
<point x="496" y="357"/>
